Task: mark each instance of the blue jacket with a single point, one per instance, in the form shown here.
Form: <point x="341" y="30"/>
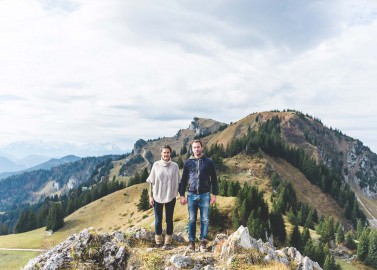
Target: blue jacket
<point x="200" y="175"/>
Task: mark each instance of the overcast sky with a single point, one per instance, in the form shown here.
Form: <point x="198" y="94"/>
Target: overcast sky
<point x="115" y="71"/>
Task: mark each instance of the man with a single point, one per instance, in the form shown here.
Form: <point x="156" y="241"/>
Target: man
<point x="199" y="172"/>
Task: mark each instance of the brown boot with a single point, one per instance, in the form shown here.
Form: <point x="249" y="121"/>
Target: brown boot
<point x="191" y="246"/>
<point x="203" y="245"/>
<point x="158" y="239"/>
<point x="167" y="243"/>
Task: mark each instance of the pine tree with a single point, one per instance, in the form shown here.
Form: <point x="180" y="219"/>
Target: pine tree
<point x="292" y="217"/>
<point x="21" y="222"/>
<point x="278" y="226"/>
<point x="95" y="195"/>
<point x="309" y="249"/>
<point x="320" y="254"/>
<point x="372" y="249"/>
<point x="339" y="234"/>
<point x="214" y="216"/>
<point x="363" y="245"/>
<point x="309" y="223"/>
<point x="55" y="218"/>
<point x="236" y="219"/>
<point x="70" y="207"/>
<point x="144" y="175"/>
<point x="359" y="228"/>
<point x="256" y="228"/>
<point x="295" y="238"/>
<point x="305" y="237"/>
<point x="326" y="230"/>
<point x="243" y="214"/>
<point x="144" y="201"/>
<point x="330" y="263"/>
<point x="230" y="190"/>
<point x="301" y="216"/>
<point x="315" y="216"/>
<point x="180" y="163"/>
<point x="350" y="243"/>
<point x="3" y="229"/>
<point x="137" y="178"/>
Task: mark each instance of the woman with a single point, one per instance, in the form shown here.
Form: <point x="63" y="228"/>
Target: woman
<point x="164" y="179"/>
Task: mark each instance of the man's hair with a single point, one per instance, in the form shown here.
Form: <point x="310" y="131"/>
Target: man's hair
<point x="166" y="146"/>
<point x="197" y="141"/>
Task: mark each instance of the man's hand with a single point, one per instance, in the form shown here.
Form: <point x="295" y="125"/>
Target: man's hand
<point x="213" y="199"/>
<point x="151" y="201"/>
<point x="183" y="200"/>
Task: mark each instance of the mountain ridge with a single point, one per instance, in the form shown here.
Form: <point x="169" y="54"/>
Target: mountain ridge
<point x="43" y="166"/>
<point x="323" y="144"/>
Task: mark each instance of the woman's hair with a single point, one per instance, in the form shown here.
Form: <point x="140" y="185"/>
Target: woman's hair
<point x="166" y="146"/>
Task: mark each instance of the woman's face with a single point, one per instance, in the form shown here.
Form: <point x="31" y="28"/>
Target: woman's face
<point x="165" y="154"/>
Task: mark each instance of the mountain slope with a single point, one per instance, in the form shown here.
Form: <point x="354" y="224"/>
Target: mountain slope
<point x="116" y="211"/>
<point x="47" y="165"/>
<point x="6" y="165"/>
<point x="29" y="187"/>
<point x="356" y="164"/>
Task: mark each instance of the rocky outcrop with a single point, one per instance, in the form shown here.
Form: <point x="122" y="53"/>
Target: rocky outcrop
<point x="267" y="253"/>
<point x="204" y="127"/>
<point x="134" y="250"/>
<point x="86" y="250"/>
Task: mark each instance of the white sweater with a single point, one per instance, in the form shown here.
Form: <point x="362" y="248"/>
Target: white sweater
<point x="164" y="178"/>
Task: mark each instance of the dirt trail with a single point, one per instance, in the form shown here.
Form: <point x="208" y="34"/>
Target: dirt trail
<point x="22" y="249"/>
<point x="143" y="155"/>
<point x="373" y="220"/>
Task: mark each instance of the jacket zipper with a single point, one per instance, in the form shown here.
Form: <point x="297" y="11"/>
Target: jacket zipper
<point x="198" y="174"/>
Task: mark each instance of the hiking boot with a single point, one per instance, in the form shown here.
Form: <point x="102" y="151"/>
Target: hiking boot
<point x="191" y="246"/>
<point x="167" y="243"/>
<point x="158" y="239"/>
<point x="203" y="245"/>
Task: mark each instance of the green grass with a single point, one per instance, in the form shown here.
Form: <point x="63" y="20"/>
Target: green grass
<point x="10" y="260"/>
<point x="31" y="240"/>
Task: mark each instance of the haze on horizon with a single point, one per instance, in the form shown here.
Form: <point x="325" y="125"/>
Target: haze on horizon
<point x="116" y="71"/>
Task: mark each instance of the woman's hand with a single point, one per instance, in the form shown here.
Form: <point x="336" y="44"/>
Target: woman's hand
<point x="151" y="201"/>
<point x="183" y="200"/>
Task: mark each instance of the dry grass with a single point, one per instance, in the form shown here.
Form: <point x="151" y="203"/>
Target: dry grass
<point x="33" y="240"/>
<point x="117" y="211"/>
<point x="307" y="192"/>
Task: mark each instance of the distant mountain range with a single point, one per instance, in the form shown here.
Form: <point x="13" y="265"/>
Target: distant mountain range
<point x="8" y="165"/>
<point x="23" y="155"/>
<point x="45" y="165"/>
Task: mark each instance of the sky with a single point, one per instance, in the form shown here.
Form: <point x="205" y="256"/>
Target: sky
<point x="116" y="71"/>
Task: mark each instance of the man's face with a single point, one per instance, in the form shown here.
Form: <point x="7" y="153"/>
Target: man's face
<point x="165" y="154"/>
<point x="197" y="149"/>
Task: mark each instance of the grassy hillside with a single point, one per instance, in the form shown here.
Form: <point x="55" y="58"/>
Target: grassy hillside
<point x="117" y="211"/>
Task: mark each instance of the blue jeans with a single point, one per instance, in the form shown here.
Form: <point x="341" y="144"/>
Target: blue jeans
<point x="169" y="211"/>
<point x="195" y="201"/>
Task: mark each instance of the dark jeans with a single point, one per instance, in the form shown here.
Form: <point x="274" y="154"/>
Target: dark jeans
<point x="169" y="211"/>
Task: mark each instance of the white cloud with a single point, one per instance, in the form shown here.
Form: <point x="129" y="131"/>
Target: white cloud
<point x="116" y="71"/>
